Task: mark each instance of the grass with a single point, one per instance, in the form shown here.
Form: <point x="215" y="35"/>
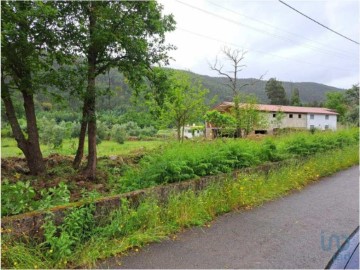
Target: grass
<point x="176" y="162"/>
<point x="105" y="148"/>
<point x="151" y="221"/>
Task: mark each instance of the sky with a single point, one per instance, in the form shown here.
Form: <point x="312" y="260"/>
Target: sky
<point x="278" y="41"/>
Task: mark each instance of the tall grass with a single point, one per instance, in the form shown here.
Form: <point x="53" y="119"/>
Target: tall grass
<point x="152" y="221"/>
<point x="176" y="162"/>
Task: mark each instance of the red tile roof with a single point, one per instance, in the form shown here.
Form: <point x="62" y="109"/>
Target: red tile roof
<point x="274" y="108"/>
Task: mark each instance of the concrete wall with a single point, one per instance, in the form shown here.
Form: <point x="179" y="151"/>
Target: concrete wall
<point x="319" y="121"/>
<point x="287" y="122"/>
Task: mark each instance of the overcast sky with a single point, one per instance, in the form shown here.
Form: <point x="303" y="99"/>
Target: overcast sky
<point x="278" y="41"/>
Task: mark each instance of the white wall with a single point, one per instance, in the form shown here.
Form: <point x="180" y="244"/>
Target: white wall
<point x="188" y="133"/>
<point x="320" y="121"/>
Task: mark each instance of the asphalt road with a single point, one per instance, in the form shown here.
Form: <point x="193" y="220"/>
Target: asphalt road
<point x="292" y="232"/>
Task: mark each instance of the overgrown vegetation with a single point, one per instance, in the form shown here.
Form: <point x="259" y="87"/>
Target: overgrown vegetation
<point x="165" y="163"/>
<point x="194" y="159"/>
<point x="80" y="241"/>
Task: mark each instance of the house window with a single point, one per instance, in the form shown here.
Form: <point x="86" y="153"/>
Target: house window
<point x="327" y="117"/>
<point x="299" y="115"/>
<point x="311" y="116"/>
<point x="312" y="126"/>
<point x="290" y="116"/>
<point x="274" y="115"/>
<point x="326" y="126"/>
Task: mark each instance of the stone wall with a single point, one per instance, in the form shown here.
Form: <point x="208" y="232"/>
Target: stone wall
<point x="30" y="224"/>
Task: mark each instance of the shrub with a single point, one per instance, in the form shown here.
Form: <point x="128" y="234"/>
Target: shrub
<point x="16" y="198"/>
<point x="118" y="133"/>
<point x="52" y="133"/>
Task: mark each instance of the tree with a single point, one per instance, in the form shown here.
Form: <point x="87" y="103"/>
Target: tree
<point x="30" y="36"/>
<point x="352" y="101"/>
<point x="220" y="120"/>
<point x="336" y="101"/>
<point x="276" y="92"/>
<point x="235" y="57"/>
<point x="280" y="115"/>
<point x="183" y="103"/>
<point x="129" y="35"/>
<point x="251" y="117"/>
<point x="295" y="97"/>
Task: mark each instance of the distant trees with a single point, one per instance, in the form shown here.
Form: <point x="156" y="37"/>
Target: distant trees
<point x="346" y="104"/>
<point x="352" y="101"/>
<point x="295" y="97"/>
<point x="276" y="92"/>
<point x="336" y="101"/>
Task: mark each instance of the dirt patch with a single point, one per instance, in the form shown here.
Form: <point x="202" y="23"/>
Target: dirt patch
<point x="59" y="169"/>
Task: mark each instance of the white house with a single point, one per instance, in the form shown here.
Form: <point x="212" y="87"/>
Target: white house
<point x="292" y="117"/>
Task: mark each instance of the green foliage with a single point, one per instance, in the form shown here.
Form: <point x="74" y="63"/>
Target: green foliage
<point x="295" y="97"/>
<point x="16" y="198"/>
<point x="280" y="115"/>
<point x="184" y="102"/>
<point x="52" y="133"/>
<point x="250" y="117"/>
<point x="192" y="159"/>
<point x="77" y="227"/>
<point x="118" y="133"/>
<point x="352" y="101"/>
<point x="336" y="101"/>
<point x="20" y="197"/>
<point x="54" y="196"/>
<point x="276" y="92"/>
<point x="78" y="243"/>
<point x="220" y="120"/>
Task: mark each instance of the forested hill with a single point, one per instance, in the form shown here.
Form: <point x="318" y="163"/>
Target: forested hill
<point x="309" y="91"/>
<point x="119" y="98"/>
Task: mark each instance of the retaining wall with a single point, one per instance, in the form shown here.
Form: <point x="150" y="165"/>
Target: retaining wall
<point x="30" y="224"/>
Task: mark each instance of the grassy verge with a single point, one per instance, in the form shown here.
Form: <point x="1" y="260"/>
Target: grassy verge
<point x="80" y="242"/>
<point x="105" y="148"/>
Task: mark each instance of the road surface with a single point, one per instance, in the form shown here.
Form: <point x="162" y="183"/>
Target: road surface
<point x="292" y="232"/>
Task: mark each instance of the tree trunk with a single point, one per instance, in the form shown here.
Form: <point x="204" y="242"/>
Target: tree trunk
<point x="35" y="161"/>
<point x="182" y="133"/>
<point x="30" y="147"/>
<point x="80" y="150"/>
<point x="90" y="170"/>
<point x="237" y="116"/>
<point x="178" y="129"/>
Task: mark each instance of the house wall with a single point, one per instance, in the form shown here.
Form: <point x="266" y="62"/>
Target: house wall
<point x="320" y="121"/>
<point x="287" y="122"/>
<point x="188" y="133"/>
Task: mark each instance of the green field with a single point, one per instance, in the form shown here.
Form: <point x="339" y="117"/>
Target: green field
<point x="105" y="148"/>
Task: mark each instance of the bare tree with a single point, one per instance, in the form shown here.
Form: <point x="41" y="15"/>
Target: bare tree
<point x="235" y="57"/>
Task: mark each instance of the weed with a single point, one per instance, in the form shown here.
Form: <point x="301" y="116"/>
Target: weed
<point x="79" y="242"/>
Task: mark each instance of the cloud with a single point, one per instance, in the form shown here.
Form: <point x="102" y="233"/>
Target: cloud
<point x="278" y="40"/>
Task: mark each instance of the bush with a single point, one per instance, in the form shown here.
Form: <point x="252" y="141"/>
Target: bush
<point x="131" y="128"/>
<point x="52" y="133"/>
<point x="16" y="198"/>
<point x="102" y="130"/>
<point x="118" y="133"/>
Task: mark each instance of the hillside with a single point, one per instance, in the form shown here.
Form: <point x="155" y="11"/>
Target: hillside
<point x="119" y="96"/>
<point x="309" y="91"/>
